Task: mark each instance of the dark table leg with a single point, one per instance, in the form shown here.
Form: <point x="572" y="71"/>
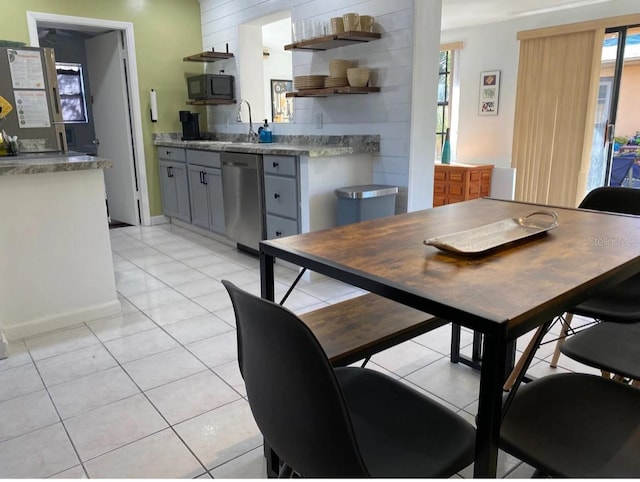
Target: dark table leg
<point x="494" y="362"/>
<point x="455" y="343"/>
<point x="476" y="352"/>
<point x="266" y="276"/>
<point x="267" y="292"/>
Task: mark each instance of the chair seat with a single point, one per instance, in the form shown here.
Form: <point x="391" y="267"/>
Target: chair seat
<point x="575" y="425"/>
<point x="418" y="438"/>
<point x="619" y="303"/>
<point x="613" y="347"/>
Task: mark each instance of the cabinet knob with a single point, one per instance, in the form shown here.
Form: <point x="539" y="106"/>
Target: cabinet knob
<point x="276" y="164"/>
<point x="169" y="171"/>
<point x="168" y="153"/>
<point x="276" y="195"/>
<point x="203" y="177"/>
<point x="278" y="233"/>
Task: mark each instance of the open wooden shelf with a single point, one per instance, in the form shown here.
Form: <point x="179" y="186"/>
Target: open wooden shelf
<point x="208" y="57"/>
<point x="211" y="102"/>
<point x="333" y="41"/>
<point x="333" y="91"/>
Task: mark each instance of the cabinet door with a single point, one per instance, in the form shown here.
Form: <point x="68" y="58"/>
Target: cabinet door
<point x="168" y="189"/>
<point x="182" y="192"/>
<point x="213" y="179"/>
<point x="199" y="198"/>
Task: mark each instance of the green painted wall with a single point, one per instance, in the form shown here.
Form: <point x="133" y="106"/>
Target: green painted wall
<point x="165" y="32"/>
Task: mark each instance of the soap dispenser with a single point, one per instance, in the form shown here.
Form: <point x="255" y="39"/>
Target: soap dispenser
<point x="265" y="133"/>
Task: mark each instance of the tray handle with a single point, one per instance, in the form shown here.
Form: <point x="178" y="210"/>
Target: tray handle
<point x="552" y="214"/>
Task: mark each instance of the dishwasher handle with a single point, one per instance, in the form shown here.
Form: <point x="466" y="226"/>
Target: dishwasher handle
<point x="237" y="164"/>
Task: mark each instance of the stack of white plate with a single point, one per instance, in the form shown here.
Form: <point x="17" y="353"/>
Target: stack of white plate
<point x="336" y="82"/>
<point x="305" y="82"/>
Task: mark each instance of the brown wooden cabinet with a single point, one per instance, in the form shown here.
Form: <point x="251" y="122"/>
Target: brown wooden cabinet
<point x="458" y="182"/>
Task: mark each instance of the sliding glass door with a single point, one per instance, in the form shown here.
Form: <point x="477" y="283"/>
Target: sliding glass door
<point x="615" y="155"/>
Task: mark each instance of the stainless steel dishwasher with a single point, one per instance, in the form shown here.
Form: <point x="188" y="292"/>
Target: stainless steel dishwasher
<point x="243" y="196"/>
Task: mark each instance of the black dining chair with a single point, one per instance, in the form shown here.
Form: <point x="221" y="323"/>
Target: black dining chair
<point x="342" y="422"/>
<point x="619" y="304"/>
<point x="613" y="348"/>
<point x="575" y="425"/>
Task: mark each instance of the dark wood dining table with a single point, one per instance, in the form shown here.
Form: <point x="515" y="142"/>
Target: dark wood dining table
<point x="501" y="294"/>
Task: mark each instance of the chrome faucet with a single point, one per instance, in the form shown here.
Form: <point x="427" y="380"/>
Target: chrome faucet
<point x="253" y="136"/>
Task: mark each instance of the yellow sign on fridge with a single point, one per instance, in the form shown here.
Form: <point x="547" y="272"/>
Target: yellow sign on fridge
<point x="5" y="107"/>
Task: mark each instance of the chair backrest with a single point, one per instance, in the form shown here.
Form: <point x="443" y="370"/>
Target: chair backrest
<point x="293" y="391"/>
<point x="623" y="200"/>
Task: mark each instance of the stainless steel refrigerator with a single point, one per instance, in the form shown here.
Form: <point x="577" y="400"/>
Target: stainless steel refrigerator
<point x="29" y="87"/>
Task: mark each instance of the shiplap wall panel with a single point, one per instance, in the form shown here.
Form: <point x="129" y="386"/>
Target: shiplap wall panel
<point x="387" y="113"/>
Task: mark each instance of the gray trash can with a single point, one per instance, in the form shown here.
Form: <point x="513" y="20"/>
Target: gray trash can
<point x="361" y="203"/>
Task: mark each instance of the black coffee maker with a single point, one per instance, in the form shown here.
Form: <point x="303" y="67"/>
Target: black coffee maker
<point x="190" y="125"/>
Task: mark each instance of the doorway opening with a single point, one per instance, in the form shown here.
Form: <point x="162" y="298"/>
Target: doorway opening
<point x="615" y="153"/>
<point x="265" y="68"/>
<point x="113" y="130"/>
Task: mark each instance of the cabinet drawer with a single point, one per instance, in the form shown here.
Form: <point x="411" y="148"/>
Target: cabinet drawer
<point x="439" y="188"/>
<point x="281" y="196"/>
<point x="456" y="189"/>
<point x="203" y="158"/>
<point x="171" y="153"/>
<point x="283" y="165"/>
<point x="474" y="190"/>
<point x="456" y="176"/>
<point x="475" y="176"/>
<point x="439" y="201"/>
<point x="439" y="175"/>
<point x="278" y="227"/>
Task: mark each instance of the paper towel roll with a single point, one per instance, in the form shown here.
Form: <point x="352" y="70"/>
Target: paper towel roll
<point x="153" y="101"/>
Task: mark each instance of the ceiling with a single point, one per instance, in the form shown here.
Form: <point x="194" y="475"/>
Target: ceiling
<point x="466" y="13"/>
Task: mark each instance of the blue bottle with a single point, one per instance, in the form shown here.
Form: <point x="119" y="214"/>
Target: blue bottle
<point x="446" y="150"/>
<point x="265" y="133"/>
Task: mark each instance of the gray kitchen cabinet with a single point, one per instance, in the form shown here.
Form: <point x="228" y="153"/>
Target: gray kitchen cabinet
<point x="205" y="183"/>
<point x="282" y="195"/>
<point x="174" y="186"/>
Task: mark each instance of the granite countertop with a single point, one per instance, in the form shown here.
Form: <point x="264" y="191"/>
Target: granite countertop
<point x="50" y="162"/>
<point x="312" y="146"/>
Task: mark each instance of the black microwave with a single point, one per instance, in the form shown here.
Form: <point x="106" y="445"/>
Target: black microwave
<point x="210" y="86"/>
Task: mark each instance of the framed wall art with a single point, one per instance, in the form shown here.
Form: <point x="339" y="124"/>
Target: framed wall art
<point x="489" y="92"/>
<point x="281" y="105"/>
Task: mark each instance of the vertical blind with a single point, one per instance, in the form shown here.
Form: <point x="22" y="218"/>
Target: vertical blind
<point x="555" y="104"/>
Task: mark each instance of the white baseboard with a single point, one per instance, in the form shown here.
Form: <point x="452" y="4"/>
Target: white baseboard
<point x="61" y="320"/>
<point x="4" y="346"/>
<point x="162" y="219"/>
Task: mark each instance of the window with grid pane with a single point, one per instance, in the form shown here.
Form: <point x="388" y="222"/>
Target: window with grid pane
<point x="72" y="95"/>
<point x="444" y="99"/>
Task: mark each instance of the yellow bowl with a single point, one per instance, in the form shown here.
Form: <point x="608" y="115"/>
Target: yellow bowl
<point x="358" y="77"/>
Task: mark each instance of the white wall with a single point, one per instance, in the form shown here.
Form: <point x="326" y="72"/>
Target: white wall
<point x="389" y="114"/>
<point x="495" y="47"/>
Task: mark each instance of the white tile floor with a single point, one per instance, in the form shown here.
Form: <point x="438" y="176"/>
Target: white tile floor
<point x="155" y="392"/>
